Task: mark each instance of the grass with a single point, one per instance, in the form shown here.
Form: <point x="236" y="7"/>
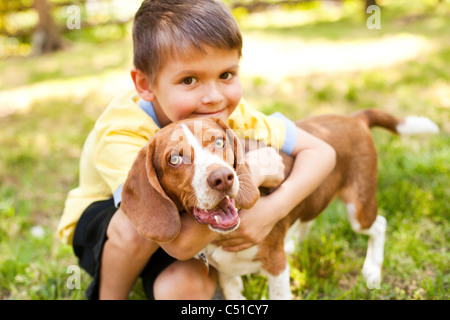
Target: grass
<point x="41" y="146"/>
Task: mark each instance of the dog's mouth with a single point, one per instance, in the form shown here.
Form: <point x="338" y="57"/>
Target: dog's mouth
<point x="222" y="218"/>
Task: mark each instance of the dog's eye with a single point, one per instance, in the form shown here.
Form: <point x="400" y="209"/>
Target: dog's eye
<point x="220" y="143"/>
<point x="175" y="160"/>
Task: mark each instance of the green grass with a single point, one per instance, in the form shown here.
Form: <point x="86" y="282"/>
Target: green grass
<point x="41" y="146"/>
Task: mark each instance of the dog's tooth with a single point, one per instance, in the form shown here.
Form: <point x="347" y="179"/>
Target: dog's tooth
<point x="228" y="197"/>
<point x="217" y="218"/>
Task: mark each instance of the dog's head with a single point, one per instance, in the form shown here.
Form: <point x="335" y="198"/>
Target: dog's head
<point x="195" y="166"/>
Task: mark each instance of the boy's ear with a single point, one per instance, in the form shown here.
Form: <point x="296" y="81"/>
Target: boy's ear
<point x="142" y="84"/>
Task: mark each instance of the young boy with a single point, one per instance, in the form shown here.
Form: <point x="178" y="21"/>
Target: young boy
<point x="186" y="56"/>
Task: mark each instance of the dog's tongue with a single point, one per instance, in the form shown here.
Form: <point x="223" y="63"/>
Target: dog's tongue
<point x="224" y="216"/>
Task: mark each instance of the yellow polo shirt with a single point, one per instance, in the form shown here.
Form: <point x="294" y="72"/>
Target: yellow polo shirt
<point x="125" y="126"/>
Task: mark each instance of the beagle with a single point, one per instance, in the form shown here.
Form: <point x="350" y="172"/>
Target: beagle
<point x="198" y="166"/>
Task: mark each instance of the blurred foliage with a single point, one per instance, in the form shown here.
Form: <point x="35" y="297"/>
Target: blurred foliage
<point x="49" y="103"/>
<point x="104" y="20"/>
<point x="99" y="20"/>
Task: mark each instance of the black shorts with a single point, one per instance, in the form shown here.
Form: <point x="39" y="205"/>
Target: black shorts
<point x="89" y="239"/>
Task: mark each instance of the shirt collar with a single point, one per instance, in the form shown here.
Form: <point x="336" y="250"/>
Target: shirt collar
<point x="148" y="108"/>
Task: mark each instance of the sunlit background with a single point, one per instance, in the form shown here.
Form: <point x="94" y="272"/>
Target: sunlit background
<point x="61" y="62"/>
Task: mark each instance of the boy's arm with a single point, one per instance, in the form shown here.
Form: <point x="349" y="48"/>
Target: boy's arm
<point x="314" y="161"/>
<point x="192" y="238"/>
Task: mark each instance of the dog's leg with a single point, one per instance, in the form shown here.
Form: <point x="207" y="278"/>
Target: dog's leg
<point x="375" y="251"/>
<point x="304" y="230"/>
<point x="280" y="286"/>
<point x="296" y="234"/>
<point x="232" y="286"/>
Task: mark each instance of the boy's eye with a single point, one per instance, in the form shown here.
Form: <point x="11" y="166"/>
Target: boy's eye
<point x="226" y="76"/>
<point x="220" y="143"/>
<point x="175" y="160"/>
<point x="189" y="81"/>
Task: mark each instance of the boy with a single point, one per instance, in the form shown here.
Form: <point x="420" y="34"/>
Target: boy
<point x="186" y="56"/>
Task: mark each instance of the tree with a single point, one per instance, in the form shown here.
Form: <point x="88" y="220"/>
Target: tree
<point x="370" y="3"/>
<point x="47" y="35"/>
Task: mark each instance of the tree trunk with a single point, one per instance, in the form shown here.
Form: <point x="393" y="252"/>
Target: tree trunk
<point x="47" y="36"/>
<point x="370" y="3"/>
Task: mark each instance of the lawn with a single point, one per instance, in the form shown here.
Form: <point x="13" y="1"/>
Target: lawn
<point x="315" y="61"/>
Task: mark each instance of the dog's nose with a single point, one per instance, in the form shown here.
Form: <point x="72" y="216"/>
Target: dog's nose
<point x="221" y="179"/>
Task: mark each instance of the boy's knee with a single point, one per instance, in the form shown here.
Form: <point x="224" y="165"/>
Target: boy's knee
<point x="123" y="234"/>
<point x="185" y="280"/>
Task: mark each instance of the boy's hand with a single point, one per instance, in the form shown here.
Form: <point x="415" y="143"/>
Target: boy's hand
<point x="256" y="224"/>
<point x="267" y="170"/>
<point x="266" y="166"/>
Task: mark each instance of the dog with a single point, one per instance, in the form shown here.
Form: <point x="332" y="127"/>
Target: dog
<point x="202" y="170"/>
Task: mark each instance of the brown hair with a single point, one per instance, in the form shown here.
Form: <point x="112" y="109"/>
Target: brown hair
<point x="164" y="28"/>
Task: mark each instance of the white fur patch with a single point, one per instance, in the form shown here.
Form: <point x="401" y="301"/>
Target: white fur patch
<point x="351" y="214"/>
<point x="232" y="286"/>
<point x="375" y="249"/>
<point x="296" y="234"/>
<point x="233" y="263"/>
<point x="414" y="125"/>
<point x="375" y="253"/>
<point x="231" y="266"/>
<point x="207" y="198"/>
<point x="280" y="286"/>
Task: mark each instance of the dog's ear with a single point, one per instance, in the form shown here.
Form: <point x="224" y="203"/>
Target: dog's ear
<point x="248" y="192"/>
<point x="144" y="201"/>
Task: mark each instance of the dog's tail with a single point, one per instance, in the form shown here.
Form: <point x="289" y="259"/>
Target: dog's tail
<point x="405" y="126"/>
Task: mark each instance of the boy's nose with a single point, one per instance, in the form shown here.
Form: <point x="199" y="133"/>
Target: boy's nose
<point x="212" y="95"/>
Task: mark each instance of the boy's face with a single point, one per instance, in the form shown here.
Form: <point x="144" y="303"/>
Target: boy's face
<point x="197" y="85"/>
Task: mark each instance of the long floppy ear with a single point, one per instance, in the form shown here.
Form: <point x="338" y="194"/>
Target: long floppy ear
<point x="144" y="201"/>
<point x="248" y="192"/>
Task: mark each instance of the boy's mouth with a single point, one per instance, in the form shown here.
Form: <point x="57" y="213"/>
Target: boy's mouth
<point x="222" y="218"/>
<point x="214" y="114"/>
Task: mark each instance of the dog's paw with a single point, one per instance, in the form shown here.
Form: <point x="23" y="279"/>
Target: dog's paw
<point x="234" y="296"/>
<point x="372" y="275"/>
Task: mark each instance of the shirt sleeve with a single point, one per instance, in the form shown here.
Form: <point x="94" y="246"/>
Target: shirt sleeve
<point x="277" y="130"/>
<point x="290" y="135"/>
<point x="114" y="157"/>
